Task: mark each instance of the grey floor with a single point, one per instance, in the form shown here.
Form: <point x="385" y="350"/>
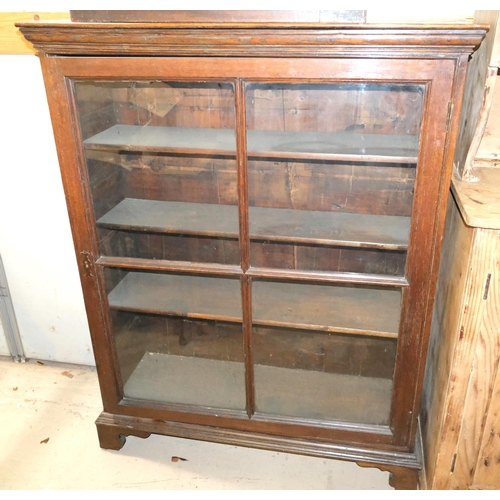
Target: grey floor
<point x="48" y="441"/>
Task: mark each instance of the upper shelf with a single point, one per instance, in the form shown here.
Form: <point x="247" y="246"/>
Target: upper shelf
<point x="260" y="143"/>
<point x="386" y="232"/>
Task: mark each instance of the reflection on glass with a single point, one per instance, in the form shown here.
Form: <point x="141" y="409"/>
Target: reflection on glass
<point x="161" y="158"/>
<point x="331" y="170"/>
<point x="323" y="376"/>
<point x="324" y="352"/>
<point x="178" y="338"/>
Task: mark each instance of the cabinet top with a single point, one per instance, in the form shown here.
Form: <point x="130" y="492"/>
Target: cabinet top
<point x="252" y="39"/>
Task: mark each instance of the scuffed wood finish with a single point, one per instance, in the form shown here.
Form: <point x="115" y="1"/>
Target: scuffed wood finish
<point x="258" y="439"/>
<point x="251" y="39"/>
<point x="401" y="478"/>
<point x="113" y="437"/>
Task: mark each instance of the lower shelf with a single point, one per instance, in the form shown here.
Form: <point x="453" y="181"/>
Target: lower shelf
<point x="341" y="309"/>
<point x="279" y="391"/>
<point x="188" y="380"/>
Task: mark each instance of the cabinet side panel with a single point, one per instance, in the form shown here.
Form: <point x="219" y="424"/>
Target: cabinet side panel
<point x="479" y="439"/>
<point x="453" y="273"/>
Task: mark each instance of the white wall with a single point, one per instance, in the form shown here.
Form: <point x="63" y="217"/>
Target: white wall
<point x="35" y="239"/>
<point x="4" y="350"/>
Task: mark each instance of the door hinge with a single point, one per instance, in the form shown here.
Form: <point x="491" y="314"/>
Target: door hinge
<point x="450" y="112"/>
<point x="86" y="264"/>
<point x="3" y="292"/>
<point x="487" y="286"/>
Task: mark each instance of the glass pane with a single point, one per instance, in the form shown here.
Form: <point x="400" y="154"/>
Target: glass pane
<point x="161" y="158"/>
<point x="178" y="337"/>
<point x="323" y="376"/>
<point x="324" y="352"/>
<point x="331" y="172"/>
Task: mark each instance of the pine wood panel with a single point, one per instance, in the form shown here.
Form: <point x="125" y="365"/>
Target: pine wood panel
<point x="311" y="227"/>
<point x="11" y="40"/>
<point x="463" y="360"/>
<point x="478" y="200"/>
<point x="275" y="144"/>
<point x="480" y="355"/>
<point x="314" y="307"/>
<point x="487" y="469"/>
<point x="445" y="333"/>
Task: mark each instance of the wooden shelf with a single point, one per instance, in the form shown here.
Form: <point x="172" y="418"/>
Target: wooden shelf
<point x="478" y="200"/>
<point x="176" y="295"/>
<point x="167" y="378"/>
<point x="268" y="224"/>
<point x="260" y="143"/>
<point x="342" y="309"/>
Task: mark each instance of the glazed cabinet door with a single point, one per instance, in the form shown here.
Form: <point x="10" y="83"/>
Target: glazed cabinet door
<point x="331" y="176"/>
<point x="256" y="235"/>
<point x="162" y="173"/>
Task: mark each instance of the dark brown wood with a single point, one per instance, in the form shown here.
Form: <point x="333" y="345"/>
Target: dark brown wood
<point x="112" y="437"/>
<point x="286" y="291"/>
<point x="252" y="39"/>
<point x="266" y="273"/>
<point x="401" y="478"/>
<point x="174" y="266"/>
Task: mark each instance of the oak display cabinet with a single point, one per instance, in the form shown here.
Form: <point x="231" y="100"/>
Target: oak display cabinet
<point x="257" y="211"/>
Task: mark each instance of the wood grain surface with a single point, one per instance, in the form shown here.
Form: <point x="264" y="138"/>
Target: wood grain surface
<point x="274" y="224"/>
<point x="274" y="144"/>
<point x="361" y="311"/>
<point x="11" y="40"/>
<point x="478" y="200"/>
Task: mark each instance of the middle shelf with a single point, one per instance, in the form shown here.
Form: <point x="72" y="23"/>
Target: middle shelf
<point x="340" y="309"/>
<point x="387" y="232"/>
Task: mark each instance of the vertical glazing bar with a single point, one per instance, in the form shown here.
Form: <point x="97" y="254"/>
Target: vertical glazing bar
<point x="246" y="292"/>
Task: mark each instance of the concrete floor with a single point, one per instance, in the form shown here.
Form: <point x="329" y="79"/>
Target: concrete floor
<point x="48" y="441"/>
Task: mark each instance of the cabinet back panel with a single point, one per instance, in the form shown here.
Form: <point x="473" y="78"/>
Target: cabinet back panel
<point x="358" y="108"/>
<point x="136" y="334"/>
